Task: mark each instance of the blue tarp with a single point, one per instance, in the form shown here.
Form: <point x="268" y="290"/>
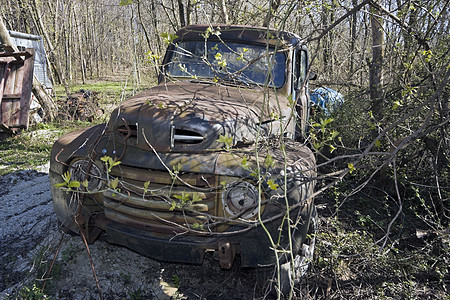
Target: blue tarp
<point x="326" y="98"/>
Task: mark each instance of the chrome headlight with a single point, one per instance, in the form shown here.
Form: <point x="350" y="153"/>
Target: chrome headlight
<point x="240" y="199"/>
<point x="78" y="172"/>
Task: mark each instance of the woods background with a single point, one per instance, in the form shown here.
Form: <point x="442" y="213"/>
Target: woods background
<point x="384" y="156"/>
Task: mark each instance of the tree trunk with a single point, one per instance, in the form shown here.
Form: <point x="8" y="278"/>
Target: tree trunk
<point x="5" y="39"/>
<point x="51" y="50"/>
<point x="23" y="16"/>
<point x="273" y="7"/>
<point x="353" y="37"/>
<point x="188" y="12"/>
<point x="80" y="49"/>
<point x="181" y="13"/>
<point x="48" y="105"/>
<point x="155" y="26"/>
<point x="223" y="11"/>
<point x="376" y="66"/>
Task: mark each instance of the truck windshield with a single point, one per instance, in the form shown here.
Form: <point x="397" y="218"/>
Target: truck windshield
<point x="249" y="64"/>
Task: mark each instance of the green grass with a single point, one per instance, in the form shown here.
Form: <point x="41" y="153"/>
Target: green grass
<point x="109" y="92"/>
<point x="31" y="148"/>
<point x="107" y="88"/>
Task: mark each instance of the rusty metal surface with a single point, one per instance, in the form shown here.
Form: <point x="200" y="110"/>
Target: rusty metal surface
<point x="16" y="78"/>
<point x="245" y="34"/>
<point x="132" y="208"/>
<point x="227" y="252"/>
<point x="169" y="142"/>
<point x="139" y="213"/>
<point x="205" y="109"/>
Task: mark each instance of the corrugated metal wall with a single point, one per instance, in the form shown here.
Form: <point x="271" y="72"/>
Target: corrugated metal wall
<point x="23" y="41"/>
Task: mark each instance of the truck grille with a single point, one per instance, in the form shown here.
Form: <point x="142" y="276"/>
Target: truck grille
<point x="153" y="199"/>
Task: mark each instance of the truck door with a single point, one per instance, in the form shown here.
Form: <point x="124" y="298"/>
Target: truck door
<point x="301" y="91"/>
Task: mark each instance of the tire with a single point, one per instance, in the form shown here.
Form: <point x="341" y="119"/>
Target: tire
<point x="66" y="203"/>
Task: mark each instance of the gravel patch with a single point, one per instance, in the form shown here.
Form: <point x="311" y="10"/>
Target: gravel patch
<point x="30" y="237"/>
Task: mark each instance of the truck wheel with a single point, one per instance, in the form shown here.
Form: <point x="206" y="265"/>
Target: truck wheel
<point x="66" y="203"/>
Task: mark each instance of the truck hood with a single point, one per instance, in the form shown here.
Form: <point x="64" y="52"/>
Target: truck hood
<point x="191" y="116"/>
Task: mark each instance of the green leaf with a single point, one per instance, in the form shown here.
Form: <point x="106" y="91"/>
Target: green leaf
<point x="115" y="163"/>
<point x="333" y="134"/>
<point x="59" y="185"/>
<point x="397" y="103"/>
<point x="73" y="184"/>
<point x="85" y="183"/>
<point x="146" y="184"/>
<point x="351" y="167"/>
<point x="114" y="183"/>
<point x="168" y="38"/>
<point x="66" y="177"/>
<point x="272" y="185"/>
<point x="195" y="198"/>
<point x="244" y="163"/>
<point x="332" y="148"/>
<point x="210" y="31"/>
<point x="269" y="162"/>
<point x="222" y="63"/>
<point x="227" y="140"/>
<point x="109" y="162"/>
<point x="197" y="226"/>
<point x="153" y="57"/>
<point x="161" y="105"/>
<point x="176" y="170"/>
<point x="291" y="101"/>
<point x="125" y="2"/>
<point x="184" y="197"/>
<point x="223" y="184"/>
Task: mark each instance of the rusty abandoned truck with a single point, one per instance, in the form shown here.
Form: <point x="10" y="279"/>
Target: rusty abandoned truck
<point x="207" y="160"/>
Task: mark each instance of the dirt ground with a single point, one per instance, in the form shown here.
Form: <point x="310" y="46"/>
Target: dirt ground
<point x="30" y="237"/>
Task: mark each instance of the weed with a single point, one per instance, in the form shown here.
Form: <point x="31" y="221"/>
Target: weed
<point x="69" y="253"/>
<point x="125" y="277"/>
<point x="176" y="280"/>
<point x="31" y="293"/>
<point x="136" y="295"/>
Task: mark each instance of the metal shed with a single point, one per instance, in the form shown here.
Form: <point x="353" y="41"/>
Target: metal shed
<point x="16" y="77"/>
<point x="23" y="41"/>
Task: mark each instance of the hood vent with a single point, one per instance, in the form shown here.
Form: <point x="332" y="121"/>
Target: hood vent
<point x="128" y="131"/>
<point x="185" y="137"/>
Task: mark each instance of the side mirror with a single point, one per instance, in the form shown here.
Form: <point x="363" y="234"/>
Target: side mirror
<point x="312" y="76"/>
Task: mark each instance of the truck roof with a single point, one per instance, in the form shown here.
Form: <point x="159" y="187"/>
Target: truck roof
<point x="249" y="34"/>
